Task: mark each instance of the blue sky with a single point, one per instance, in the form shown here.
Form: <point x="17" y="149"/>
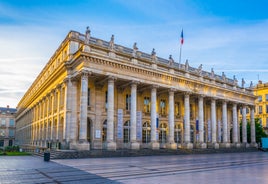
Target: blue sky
<point x="228" y="36"/>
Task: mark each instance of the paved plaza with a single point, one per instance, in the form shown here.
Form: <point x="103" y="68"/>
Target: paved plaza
<point x="246" y="168"/>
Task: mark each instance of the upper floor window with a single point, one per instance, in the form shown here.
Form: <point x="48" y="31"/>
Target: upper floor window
<point x="11" y="133"/>
<point x="259" y="98"/>
<point x="266" y="108"/>
<point x="88" y="97"/>
<point x="106" y="99"/>
<point x="146" y="104"/>
<point x="177" y="109"/>
<point x="162" y="107"/>
<point x="266" y="97"/>
<point x="3" y="122"/>
<point x="128" y="102"/>
<point x="260" y="109"/>
<point x="11" y="122"/>
<point x="247" y="110"/>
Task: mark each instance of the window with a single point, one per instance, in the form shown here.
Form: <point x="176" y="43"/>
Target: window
<point x="146" y="132"/>
<point x="259" y="98"/>
<point x="88" y="97"/>
<point x="191" y="111"/>
<point x="127" y="132"/>
<point x="2" y="133"/>
<point x="11" y="122"/>
<point x="266" y="97"/>
<point x="146" y="107"/>
<point x="163" y="133"/>
<point x="267" y="122"/>
<point x="3" y="122"/>
<point x="260" y="109"/>
<point x="106" y="99"/>
<point x="1" y="143"/>
<point x="10" y="143"/>
<point x="162" y="107"/>
<point x="177" y="134"/>
<point x="104" y="131"/>
<point x="247" y="110"/>
<point x="128" y="102"/>
<point x="266" y="108"/>
<point x="56" y="101"/>
<point x="177" y="109"/>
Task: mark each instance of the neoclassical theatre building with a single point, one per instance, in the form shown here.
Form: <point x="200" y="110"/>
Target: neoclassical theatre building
<point x="95" y="94"/>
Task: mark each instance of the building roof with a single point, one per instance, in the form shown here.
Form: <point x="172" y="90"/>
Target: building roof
<point x="8" y="110"/>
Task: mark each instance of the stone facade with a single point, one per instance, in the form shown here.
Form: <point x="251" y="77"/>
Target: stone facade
<point x="94" y="94"/>
<point x="7" y="126"/>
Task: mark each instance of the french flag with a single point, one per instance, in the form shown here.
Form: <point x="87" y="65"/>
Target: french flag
<point x="182" y="40"/>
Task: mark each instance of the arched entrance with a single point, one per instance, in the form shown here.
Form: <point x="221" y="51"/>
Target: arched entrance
<point x="162" y="135"/>
<point x="178" y="134"/>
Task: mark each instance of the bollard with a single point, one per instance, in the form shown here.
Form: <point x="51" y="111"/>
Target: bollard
<point x="46" y="156"/>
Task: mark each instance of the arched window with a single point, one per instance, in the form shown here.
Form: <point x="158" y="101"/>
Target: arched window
<point x="127" y="131"/>
<point x="146" y="132"/>
<point x="104" y="131"/>
<point x="162" y="133"/>
<point x="177" y="133"/>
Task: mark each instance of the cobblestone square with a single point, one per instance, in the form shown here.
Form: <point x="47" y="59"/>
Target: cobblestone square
<point x="203" y="168"/>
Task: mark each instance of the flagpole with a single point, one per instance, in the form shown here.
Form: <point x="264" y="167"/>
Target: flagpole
<point x="180" y="54"/>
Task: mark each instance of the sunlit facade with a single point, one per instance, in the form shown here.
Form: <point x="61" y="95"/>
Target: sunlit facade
<point x="261" y="110"/>
<point x="95" y="94"/>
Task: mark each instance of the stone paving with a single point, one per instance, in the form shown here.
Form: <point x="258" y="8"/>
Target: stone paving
<point x="224" y="168"/>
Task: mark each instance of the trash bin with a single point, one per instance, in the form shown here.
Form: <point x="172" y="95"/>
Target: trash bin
<point x="46" y="156"/>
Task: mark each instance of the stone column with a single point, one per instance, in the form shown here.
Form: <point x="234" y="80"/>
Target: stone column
<point x="244" y="126"/>
<point x="111" y="145"/>
<point x="225" y="143"/>
<point x="83" y="143"/>
<point x="252" y="128"/>
<point x="187" y="143"/>
<point x="133" y="118"/>
<point x="201" y="122"/>
<point x="213" y="124"/>
<point x="171" y="143"/>
<point x="154" y="141"/>
<point x="73" y="127"/>
<point x="235" y="126"/>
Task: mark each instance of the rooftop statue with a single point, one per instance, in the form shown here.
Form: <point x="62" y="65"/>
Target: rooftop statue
<point x="87" y="35"/>
<point x="135" y="49"/>
<point x="171" y="60"/>
<point x="111" y="43"/>
<point x="243" y="83"/>
<point x="186" y="65"/>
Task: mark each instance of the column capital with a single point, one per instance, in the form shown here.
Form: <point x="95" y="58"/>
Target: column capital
<point x="172" y="90"/>
<point x="134" y="82"/>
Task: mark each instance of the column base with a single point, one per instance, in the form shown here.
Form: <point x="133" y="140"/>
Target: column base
<point x="135" y="146"/>
<point x="154" y="145"/>
<point x="111" y="146"/>
<point x="245" y="145"/>
<point x="83" y="145"/>
<point x="225" y="145"/>
<point x="201" y="145"/>
<point x="214" y="145"/>
<point x="236" y="145"/>
<point x="187" y="145"/>
<point x="171" y="145"/>
<point x="254" y="145"/>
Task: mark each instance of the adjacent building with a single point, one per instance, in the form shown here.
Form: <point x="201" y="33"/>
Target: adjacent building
<point x="95" y="94"/>
<point x="261" y="112"/>
<point x="7" y="126"/>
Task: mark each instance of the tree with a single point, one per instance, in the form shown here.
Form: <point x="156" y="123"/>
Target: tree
<point x="258" y="129"/>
